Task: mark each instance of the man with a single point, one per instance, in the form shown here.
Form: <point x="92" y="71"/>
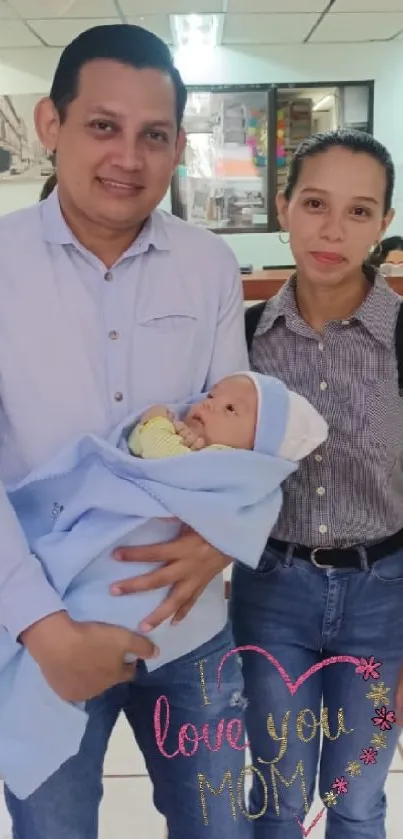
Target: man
<point x="108" y="305"/>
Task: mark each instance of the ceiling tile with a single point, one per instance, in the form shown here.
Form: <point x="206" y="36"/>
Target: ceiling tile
<point x="6" y="12"/>
<point x="270" y="6"/>
<point x="13" y="33"/>
<point x="42" y="9"/>
<point x="159" y="24"/>
<point x="267" y="29"/>
<point x="171" y="7"/>
<point x="368" y="6"/>
<point x="91" y="8"/>
<point x="58" y="33"/>
<point x="358" y="27"/>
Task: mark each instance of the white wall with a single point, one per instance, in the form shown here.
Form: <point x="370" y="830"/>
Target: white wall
<point x="30" y="71"/>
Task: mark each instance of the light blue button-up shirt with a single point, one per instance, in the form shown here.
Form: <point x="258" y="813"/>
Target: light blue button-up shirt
<point x="82" y="347"/>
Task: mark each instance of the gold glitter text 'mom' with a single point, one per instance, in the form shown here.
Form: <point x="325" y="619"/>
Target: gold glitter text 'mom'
<point x="307" y="727"/>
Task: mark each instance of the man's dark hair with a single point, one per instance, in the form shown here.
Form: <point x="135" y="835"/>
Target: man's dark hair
<point x="48" y="186"/>
<point x="355" y="141"/>
<point x="124" y="43"/>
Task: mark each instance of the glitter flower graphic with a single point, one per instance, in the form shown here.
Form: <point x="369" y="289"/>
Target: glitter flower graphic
<point x="368" y="756"/>
<point x="379" y="694"/>
<point x="330" y="799"/>
<point x="368" y="668"/>
<point x="341" y="786"/>
<point x="353" y="769"/>
<point x="384" y="719"/>
<point x="379" y="740"/>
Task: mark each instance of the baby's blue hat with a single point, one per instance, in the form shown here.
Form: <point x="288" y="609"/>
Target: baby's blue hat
<point x="273" y="408"/>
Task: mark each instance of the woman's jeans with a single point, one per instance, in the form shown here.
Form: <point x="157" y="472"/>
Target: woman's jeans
<point x="303" y="615"/>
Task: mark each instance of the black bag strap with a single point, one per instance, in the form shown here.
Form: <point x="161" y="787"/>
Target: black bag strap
<point x="252" y="318"/>
<point x="399" y="347"/>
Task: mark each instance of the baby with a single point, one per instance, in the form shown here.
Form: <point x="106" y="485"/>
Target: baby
<point x="230" y="417"/>
<point x="105" y="498"/>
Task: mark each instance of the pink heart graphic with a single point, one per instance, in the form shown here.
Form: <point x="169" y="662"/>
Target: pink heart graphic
<point x="292" y="687"/>
<point x="307" y="830"/>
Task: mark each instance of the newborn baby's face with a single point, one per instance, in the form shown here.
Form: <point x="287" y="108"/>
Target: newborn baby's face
<point x="228" y="415"/>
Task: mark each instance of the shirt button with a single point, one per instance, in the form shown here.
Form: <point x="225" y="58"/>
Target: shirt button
<point x="323" y="385"/>
<point x="118" y="396"/>
<point x="318" y="458"/>
<point x="345" y="323"/>
<point x="108" y="276"/>
<point x="320" y="491"/>
<point x="322" y="529"/>
<point x="113" y="334"/>
<point x="321" y="347"/>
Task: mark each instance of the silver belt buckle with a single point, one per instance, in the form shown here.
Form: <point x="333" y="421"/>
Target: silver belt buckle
<point x="316" y="563"/>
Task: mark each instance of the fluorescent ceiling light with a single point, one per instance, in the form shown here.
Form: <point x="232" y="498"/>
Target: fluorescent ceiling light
<point x="325" y="99"/>
<point x="196" y="30"/>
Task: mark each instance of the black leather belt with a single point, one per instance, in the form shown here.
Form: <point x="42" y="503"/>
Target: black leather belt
<point x="342" y="557"/>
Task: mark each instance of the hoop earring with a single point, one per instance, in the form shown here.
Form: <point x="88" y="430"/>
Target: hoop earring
<point x="377" y="250"/>
<point x="284" y="241"/>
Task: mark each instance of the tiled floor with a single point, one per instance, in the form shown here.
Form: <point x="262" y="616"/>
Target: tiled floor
<point x="127" y="810"/>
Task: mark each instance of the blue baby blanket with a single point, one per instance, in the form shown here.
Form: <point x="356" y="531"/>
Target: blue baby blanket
<point x="91" y="498"/>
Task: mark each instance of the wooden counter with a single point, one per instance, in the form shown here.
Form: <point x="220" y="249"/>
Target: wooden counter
<point x="261" y="285"/>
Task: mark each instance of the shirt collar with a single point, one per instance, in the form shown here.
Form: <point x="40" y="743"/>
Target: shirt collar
<point x="282" y="305"/>
<point x="376" y="313"/>
<point x="57" y="232"/>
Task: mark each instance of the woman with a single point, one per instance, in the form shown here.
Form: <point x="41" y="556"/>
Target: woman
<point x="330" y="582"/>
<point x="389" y="252"/>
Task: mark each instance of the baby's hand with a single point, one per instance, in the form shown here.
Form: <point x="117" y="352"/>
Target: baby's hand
<point x="157" y="411"/>
<point x="190" y="439"/>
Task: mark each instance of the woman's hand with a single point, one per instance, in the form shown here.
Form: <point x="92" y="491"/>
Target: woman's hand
<point x="190" y="564"/>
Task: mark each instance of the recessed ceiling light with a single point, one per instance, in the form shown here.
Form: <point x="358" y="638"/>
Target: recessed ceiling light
<point x="324" y="101"/>
<point x="196" y="30"/>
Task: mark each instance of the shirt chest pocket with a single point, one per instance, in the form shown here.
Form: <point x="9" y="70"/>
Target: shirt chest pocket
<point x="168" y="356"/>
<point x="166" y="324"/>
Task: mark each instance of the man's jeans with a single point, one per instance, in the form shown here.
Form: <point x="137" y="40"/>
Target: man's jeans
<point x="198" y="795"/>
<point x="302" y="615"/>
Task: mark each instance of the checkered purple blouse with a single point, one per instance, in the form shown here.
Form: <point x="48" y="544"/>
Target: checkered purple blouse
<point x="350" y="491"/>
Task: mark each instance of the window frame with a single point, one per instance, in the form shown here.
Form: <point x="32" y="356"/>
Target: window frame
<point x="272" y="91"/>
